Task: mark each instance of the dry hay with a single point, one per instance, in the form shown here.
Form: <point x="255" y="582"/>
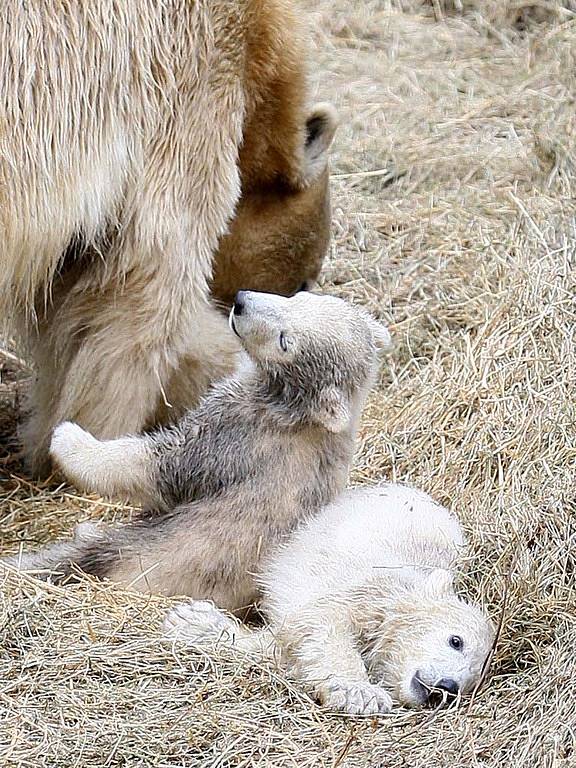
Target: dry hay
<point x="454" y="219"/>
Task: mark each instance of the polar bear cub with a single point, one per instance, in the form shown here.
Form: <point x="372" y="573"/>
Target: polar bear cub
<point x="267" y="448"/>
<point x="361" y="605"/>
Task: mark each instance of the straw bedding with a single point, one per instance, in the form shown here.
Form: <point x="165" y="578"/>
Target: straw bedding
<point x="453" y="183"/>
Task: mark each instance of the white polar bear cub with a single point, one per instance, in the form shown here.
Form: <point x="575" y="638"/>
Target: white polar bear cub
<point x="361" y="605"/>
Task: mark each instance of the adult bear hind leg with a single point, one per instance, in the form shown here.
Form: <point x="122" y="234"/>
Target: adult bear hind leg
<point x="107" y="354"/>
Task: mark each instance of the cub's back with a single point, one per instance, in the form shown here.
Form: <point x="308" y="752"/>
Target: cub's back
<point x="364" y="532"/>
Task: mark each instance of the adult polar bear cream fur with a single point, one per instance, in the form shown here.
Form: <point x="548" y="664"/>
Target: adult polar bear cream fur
<point x="149" y="151"/>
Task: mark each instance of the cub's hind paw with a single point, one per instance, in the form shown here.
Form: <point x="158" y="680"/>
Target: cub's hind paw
<point x="354" y="697"/>
<point x="88" y="532"/>
<point x="198" y="622"/>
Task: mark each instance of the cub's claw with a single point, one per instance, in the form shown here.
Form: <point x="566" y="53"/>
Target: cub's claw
<point x="198" y="622"/>
<point x="354" y="697"/>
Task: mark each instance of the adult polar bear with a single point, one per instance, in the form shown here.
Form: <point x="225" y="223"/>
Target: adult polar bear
<point x="133" y="137"/>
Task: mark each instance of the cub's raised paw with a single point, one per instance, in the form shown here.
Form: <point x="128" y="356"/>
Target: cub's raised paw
<point x="354" y="697"/>
<point x="198" y="622"/>
<point x="71" y="449"/>
<point x="68" y="438"/>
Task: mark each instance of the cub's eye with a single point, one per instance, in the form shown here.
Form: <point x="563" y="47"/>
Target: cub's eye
<point x="456" y="642"/>
<point x="283" y="342"/>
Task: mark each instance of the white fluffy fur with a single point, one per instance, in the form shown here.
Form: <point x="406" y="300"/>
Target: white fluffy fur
<point x="110" y="467"/>
<point x="360" y="602"/>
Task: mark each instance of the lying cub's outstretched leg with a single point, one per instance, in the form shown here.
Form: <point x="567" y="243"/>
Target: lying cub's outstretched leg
<point x="199" y="622"/>
<point x="321" y="651"/>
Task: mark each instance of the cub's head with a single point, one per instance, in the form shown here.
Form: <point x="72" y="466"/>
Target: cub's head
<point x="435" y="649"/>
<point x="318" y="354"/>
<point x="280" y="232"/>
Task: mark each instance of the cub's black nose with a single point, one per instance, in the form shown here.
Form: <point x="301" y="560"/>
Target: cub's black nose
<point x="447" y="684"/>
<point x="239" y="302"/>
<point x="444" y="692"/>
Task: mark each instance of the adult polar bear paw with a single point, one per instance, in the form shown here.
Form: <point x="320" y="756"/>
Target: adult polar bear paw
<point x="354" y="697"/>
<point x="198" y="622"/>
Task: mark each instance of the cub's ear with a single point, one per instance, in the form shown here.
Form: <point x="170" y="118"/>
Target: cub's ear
<point x="333" y="410"/>
<point x="321" y="126"/>
<point x="381" y="336"/>
<point x="438" y="583"/>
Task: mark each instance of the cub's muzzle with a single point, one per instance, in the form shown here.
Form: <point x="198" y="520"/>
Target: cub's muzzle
<point x="442" y="693"/>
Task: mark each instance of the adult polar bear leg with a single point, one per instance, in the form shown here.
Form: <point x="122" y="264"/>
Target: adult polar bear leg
<point x="124" y="327"/>
<point x="322" y="652"/>
<point x="119" y="348"/>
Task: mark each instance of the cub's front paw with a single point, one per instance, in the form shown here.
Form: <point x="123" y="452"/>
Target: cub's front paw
<point x="198" y="622"/>
<point x="354" y="697"/>
<point x="70" y="447"/>
<point x="67" y="437"/>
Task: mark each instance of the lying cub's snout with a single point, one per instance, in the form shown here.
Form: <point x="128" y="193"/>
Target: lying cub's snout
<point x="444" y="691"/>
<point x="448" y="685"/>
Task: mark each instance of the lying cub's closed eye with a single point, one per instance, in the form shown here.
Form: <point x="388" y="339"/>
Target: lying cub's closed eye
<point x="456" y="642"/>
<point x="283" y="342"/>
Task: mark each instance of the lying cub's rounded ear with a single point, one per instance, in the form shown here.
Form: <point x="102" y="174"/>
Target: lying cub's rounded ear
<point x="321" y="126"/>
<point x="438" y="583"/>
<point x="333" y="410"/>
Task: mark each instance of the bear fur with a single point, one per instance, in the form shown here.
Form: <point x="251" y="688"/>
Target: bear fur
<point x="140" y="143"/>
<point x="266" y="448"/>
<point x="361" y="606"/>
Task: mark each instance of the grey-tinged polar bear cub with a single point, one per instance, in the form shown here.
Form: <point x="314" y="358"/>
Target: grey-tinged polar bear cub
<point x="266" y="448"/>
<point x="361" y="606"/>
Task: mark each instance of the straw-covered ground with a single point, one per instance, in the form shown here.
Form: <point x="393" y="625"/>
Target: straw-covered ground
<point x="454" y="190"/>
